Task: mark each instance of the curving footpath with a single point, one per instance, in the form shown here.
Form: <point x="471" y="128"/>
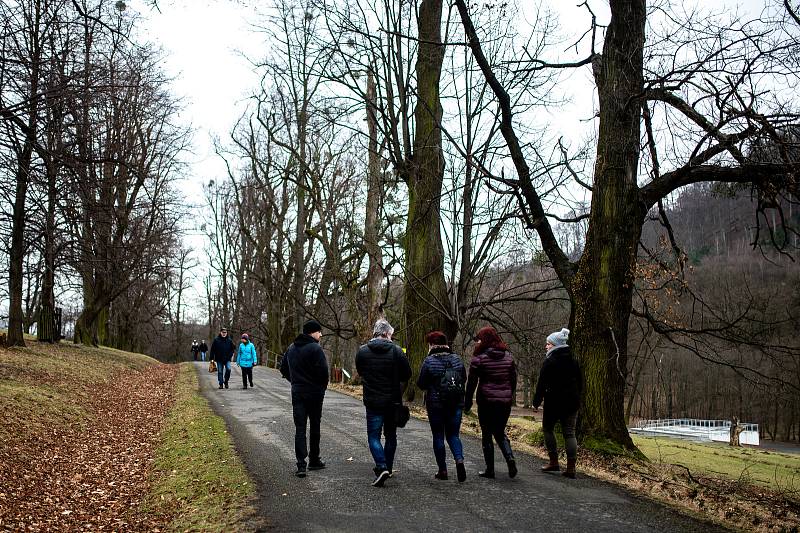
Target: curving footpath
<point x="340" y="498"/>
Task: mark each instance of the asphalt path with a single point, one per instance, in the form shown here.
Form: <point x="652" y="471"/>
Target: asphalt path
<point x="341" y="498"/>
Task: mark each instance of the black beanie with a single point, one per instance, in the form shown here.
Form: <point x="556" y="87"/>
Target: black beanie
<point x="311" y="326"/>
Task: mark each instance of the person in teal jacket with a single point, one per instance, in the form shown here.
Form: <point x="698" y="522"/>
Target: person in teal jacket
<point x="246" y="359"/>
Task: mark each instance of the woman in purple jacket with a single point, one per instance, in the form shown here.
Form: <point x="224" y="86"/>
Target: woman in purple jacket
<point x="493" y="372"/>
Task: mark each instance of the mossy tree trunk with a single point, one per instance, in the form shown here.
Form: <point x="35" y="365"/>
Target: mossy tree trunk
<point x="602" y="287"/>
<point x="426" y="303"/>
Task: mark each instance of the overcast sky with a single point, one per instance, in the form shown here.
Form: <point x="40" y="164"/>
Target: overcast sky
<point x="204" y="41"/>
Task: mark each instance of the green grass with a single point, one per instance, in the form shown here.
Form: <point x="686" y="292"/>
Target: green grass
<point x="778" y="471"/>
<point x="198" y="479"/>
<point x="774" y="470"/>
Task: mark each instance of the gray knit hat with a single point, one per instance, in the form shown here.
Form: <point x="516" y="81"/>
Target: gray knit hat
<point x="559" y="338"/>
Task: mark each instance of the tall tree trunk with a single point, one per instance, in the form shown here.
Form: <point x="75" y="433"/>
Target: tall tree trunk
<point x="16" y="318"/>
<point x="46" y="327"/>
<point x="371" y="224"/>
<point x="426" y="304"/>
<point x="602" y="288"/>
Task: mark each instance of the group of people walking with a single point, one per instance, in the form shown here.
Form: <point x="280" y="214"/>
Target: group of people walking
<point x="199" y="349"/>
<point x="223" y="350"/>
<point x="449" y="391"/>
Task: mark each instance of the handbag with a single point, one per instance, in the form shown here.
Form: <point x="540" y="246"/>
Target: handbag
<point x="212" y="366"/>
<point x="401" y="415"/>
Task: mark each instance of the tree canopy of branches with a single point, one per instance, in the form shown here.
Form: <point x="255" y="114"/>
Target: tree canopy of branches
<point x="88" y="127"/>
<point x="719" y="88"/>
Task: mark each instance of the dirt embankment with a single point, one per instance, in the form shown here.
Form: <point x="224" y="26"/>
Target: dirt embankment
<point x="79" y="432"/>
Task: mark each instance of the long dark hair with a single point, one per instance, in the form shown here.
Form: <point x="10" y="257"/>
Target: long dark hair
<point x="489" y="339"/>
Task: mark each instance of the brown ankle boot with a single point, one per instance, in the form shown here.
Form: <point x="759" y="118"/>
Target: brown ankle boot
<point x="570" y="471"/>
<point x="552" y="466"/>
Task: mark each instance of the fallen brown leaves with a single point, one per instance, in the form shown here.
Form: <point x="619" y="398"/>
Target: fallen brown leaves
<point x="88" y="476"/>
<point x="733" y="503"/>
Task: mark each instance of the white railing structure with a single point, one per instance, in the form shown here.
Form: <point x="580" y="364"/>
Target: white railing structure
<point x="696" y="429"/>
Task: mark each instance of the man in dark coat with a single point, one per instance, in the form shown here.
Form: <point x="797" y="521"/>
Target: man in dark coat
<point x="559" y="385"/>
<point x="305" y="366"/>
<point x="222" y="350"/>
<point x="203" y="349"/>
<point x="383" y="368"/>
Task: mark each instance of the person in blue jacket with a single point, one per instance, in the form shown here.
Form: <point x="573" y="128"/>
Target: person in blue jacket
<point x="246" y="359"/>
<point x="442" y="377"/>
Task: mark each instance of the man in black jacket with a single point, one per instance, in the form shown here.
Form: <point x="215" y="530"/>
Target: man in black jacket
<point x="203" y="350"/>
<point x="305" y="366"/>
<point x="383" y="368"/>
<point x="222" y="350"/>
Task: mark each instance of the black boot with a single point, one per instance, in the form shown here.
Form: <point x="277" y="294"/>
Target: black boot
<point x="488" y="457"/>
<point x="505" y="447"/>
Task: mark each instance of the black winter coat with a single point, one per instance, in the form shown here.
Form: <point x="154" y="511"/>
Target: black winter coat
<point x="382" y="366"/>
<point x="305" y="366"/>
<point x="222" y="349"/>
<point x="430" y="375"/>
<point x="559" y="382"/>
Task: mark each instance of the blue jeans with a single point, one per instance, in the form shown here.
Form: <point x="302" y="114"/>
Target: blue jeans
<point x="383" y="455"/>
<point x="223" y="372"/>
<point x="203" y="355"/>
<point x="446" y="423"/>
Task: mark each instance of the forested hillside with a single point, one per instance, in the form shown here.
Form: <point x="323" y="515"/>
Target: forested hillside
<point x="734" y="312"/>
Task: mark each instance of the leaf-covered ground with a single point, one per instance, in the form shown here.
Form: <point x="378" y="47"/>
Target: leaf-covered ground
<point x="79" y="431"/>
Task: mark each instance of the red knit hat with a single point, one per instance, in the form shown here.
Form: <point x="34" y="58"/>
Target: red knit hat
<point x="436" y="338"/>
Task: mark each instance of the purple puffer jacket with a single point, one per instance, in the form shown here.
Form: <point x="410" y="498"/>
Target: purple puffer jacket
<point x="494" y="374"/>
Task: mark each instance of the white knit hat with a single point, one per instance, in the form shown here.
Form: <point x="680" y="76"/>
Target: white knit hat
<point x="558" y="338"/>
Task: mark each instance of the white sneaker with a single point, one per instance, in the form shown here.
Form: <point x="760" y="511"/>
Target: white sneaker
<point x="381" y="479"/>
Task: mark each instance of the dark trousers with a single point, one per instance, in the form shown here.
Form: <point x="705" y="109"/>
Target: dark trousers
<point x="568" y="422"/>
<point x="306" y="407"/>
<point x="247" y="374"/>
<point x="493" y="418"/>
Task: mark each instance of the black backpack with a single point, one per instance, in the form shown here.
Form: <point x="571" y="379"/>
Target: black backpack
<point x="451" y="385"/>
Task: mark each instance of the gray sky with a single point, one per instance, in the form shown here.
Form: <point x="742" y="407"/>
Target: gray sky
<point x="203" y="41"/>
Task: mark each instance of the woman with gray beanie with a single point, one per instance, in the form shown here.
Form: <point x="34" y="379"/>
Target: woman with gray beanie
<point x="559" y="385"/>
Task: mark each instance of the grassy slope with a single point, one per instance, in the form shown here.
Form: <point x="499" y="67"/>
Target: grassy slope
<point x="198" y="479"/>
<point x="43" y="385"/>
<point x="778" y="471"/>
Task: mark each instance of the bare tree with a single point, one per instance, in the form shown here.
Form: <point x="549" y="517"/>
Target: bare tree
<point x="601" y="283"/>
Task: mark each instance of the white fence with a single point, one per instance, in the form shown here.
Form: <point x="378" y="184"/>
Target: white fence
<point x="695" y="429"/>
